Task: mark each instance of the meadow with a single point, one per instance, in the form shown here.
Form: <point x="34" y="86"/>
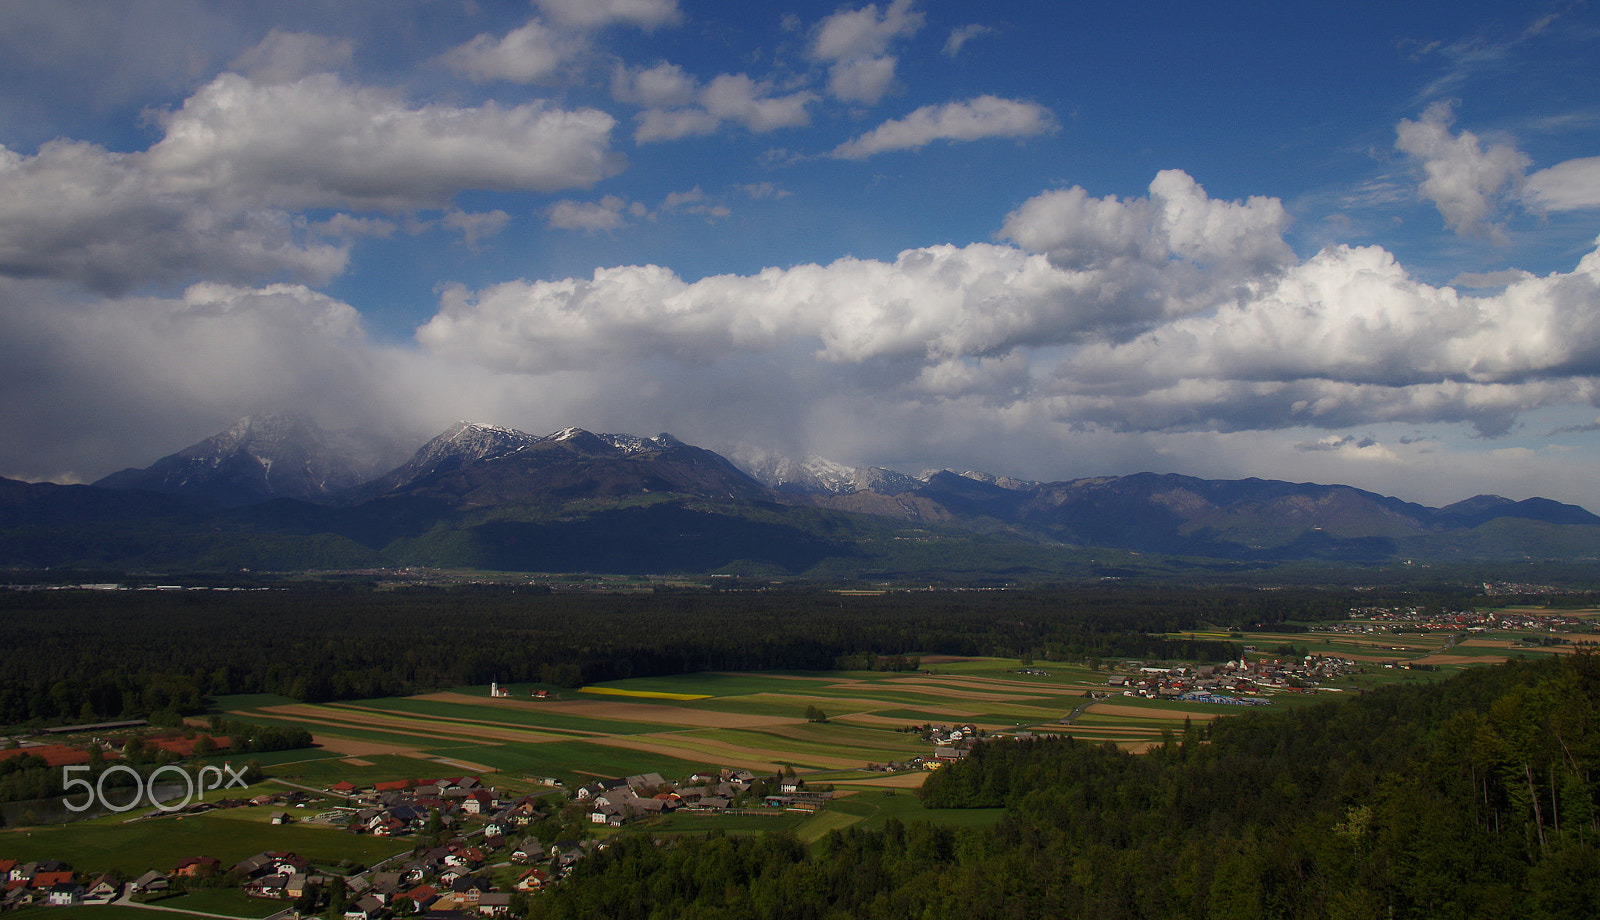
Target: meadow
<point x="116" y="843"/>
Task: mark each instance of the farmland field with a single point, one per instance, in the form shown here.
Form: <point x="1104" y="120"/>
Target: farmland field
<point x="113" y="843"/>
<point x="678" y="724"/>
<point x="675" y="725"/>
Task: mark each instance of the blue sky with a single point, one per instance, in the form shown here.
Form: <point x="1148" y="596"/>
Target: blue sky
<point x="1350" y="243"/>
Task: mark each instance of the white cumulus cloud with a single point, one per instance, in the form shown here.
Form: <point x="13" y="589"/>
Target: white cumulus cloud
<point x="728" y="97"/>
<point x="77" y="212"/>
<point x="283" y="57"/>
<point x="217" y="195"/>
<point x="855" y="43"/>
<point x="1462" y="178"/>
<point x="527" y="54"/>
<point x="973" y="119"/>
<point x="661" y="86"/>
<point x="1570" y="186"/>
<point x="320" y="142"/>
<point x="590" y="217"/>
<point x="1172" y="313"/>
<point x="476" y="225"/>
<point x="865" y="80"/>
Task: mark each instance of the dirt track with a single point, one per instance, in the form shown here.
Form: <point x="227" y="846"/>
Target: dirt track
<point x="451" y="762"/>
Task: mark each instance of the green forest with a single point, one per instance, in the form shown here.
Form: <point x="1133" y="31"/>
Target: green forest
<point x="83" y="656"/>
<point x="1474" y="798"/>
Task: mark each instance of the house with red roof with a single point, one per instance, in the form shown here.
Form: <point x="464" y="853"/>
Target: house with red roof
<point x="48" y="880"/>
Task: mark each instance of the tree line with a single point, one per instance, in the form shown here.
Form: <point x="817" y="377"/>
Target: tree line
<point x="24" y="776"/>
<point x="86" y="656"/>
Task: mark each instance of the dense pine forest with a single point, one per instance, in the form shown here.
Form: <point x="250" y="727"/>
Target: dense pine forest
<point x="84" y="656"/>
<point x="1475" y="798"/>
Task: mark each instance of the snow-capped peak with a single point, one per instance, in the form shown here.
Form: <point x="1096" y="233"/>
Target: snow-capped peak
<point x="633" y="444"/>
<point x="1004" y="482"/>
<point x="814" y="474"/>
<point x="464" y="428"/>
<point x="264" y="456"/>
<point x="471" y="441"/>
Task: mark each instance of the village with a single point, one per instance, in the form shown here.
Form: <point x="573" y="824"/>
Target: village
<point x="1238" y="683"/>
<point x="1380" y="620"/>
<point x="477" y="849"/>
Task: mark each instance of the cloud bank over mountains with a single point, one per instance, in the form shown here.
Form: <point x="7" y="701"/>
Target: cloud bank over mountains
<point x="149" y="292"/>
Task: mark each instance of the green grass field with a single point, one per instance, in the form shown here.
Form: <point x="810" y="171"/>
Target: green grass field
<point x="132" y="848"/>
<point x="93" y="912"/>
<point x="229" y="902"/>
<point x="872" y="808"/>
<point x="224" y="902"/>
<point x="491" y="713"/>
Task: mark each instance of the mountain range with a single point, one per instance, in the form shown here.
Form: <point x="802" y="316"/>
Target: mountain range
<point x="277" y="492"/>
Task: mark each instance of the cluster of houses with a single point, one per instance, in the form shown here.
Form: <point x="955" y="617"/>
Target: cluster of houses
<point x="449" y="879"/>
<point x="614" y="802"/>
<point x="402" y="807"/>
<point x="54" y="883"/>
<point x="43" y="882"/>
<point x="1379" y="620"/>
<point x="950" y="743"/>
<point x="1234" y="682"/>
<point x="446" y="879"/>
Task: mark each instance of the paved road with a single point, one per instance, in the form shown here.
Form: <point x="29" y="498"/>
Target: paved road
<point x="1076" y="712"/>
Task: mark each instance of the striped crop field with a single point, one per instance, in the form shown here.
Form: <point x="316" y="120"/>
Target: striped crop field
<point x="762" y="722"/>
<point x="644" y="694"/>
